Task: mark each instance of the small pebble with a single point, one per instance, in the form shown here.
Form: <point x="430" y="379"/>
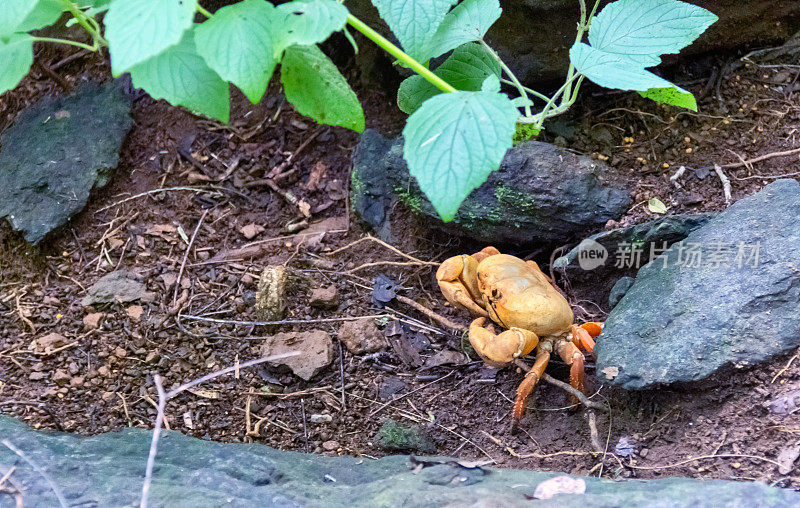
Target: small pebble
<point x="320" y="418"/>
<point x="330" y="445"/>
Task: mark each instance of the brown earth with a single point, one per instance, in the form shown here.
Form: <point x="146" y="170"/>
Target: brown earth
<point x="101" y="376"/>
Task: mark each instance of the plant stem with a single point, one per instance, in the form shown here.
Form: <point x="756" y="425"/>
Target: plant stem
<point x="529" y="90"/>
<point x="399" y="54"/>
<point x="583" y="25"/>
<point x="549" y="109"/>
<point x="202" y="10"/>
<point x="81" y="18"/>
<point x="509" y="73"/>
<point x="65" y="41"/>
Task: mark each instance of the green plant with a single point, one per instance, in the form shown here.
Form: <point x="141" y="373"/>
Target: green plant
<point x="460" y="122"/>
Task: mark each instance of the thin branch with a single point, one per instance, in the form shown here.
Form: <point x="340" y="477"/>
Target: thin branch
<point x="440" y="319"/>
<point x="186" y="255"/>
<point x="162" y="403"/>
<point x="564" y="386"/>
<point x="208" y="377"/>
<point x="282" y="321"/>
<point x="151" y="457"/>
<point x="157" y="191"/>
<point x="56" y="490"/>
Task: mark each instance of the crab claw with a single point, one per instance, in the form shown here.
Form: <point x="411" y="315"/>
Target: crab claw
<point x="501" y="349"/>
<point x="458" y="279"/>
<point x="583" y="335"/>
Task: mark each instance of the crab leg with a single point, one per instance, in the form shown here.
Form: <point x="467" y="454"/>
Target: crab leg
<point x="531" y="378"/>
<point x="573" y="357"/>
<point x="583" y="337"/>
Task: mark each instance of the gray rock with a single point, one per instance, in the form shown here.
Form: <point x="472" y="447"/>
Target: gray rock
<point x="119" y="286"/>
<point x="645" y="239"/>
<point x="107" y="470"/>
<point x="541" y="193"/>
<point x="57" y="151"/>
<point x="725" y="296"/>
<point x="618" y="290"/>
<point x="545" y="56"/>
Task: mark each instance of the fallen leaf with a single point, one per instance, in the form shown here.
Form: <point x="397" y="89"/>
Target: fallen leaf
<point x="611" y="372"/>
<point x="559" y="485"/>
<point x="304" y="208"/>
<point x="206" y="394"/>
<point x="655" y="205"/>
<point x="195" y="177"/>
<point x="786" y="458"/>
<point x="251" y="231"/>
<point x="168" y="279"/>
<point x="320" y="168"/>
<point x="182" y="233"/>
<point x="187" y="420"/>
<point x="47" y="343"/>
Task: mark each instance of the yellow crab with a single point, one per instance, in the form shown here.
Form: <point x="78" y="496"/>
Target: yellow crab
<point x="516" y="295"/>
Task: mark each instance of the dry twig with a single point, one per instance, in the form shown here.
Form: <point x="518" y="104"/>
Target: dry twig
<point x="726" y="183"/>
<point x="57" y="491"/>
<point x="186" y="256"/>
<point x="162" y="403"/>
<point x="157" y="191"/>
<point x="436" y="317"/>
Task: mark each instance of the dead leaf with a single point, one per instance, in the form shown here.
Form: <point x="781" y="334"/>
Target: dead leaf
<point x="559" y="485"/>
<point x="611" y="372"/>
<point x="304" y="208"/>
<point x="786" y="458"/>
<point x="47" y="343"/>
<point x="251" y="231"/>
<point x="195" y="177"/>
<point x="206" y="394"/>
<point x="163" y="231"/>
<point x="316" y="176"/>
<point x="168" y="279"/>
<point x="114" y="243"/>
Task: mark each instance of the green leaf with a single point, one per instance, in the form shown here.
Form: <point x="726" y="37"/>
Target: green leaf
<point x="466" y="69"/>
<point x="468" y="22"/>
<point x="454" y="141"/>
<point x="414" y="22"/>
<point x="17" y="53"/>
<point x="647" y="29"/>
<point x="46" y="12"/>
<point x="655" y="205"/>
<point x="672" y="96"/>
<point x="614" y="71"/>
<point x="316" y="88"/>
<point x="137" y="30"/>
<point x="13" y="13"/>
<point x="306" y="22"/>
<point x="238" y="44"/>
<point x="181" y="76"/>
<point x="492" y="84"/>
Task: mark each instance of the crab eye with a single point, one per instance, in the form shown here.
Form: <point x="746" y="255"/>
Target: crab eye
<point x="496" y="294"/>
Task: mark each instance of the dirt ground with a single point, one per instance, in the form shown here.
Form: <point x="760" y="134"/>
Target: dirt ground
<point x="102" y="378"/>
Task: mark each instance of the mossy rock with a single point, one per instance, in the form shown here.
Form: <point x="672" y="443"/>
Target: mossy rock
<point x="540" y="194"/>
